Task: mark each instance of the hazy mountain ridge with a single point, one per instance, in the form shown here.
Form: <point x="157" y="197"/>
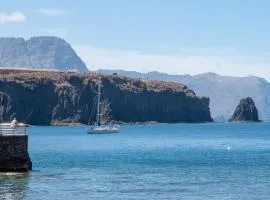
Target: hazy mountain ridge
<point x="225" y="92"/>
<point x="39" y="53"/>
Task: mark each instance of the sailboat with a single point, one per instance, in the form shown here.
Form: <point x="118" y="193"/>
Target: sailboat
<point x="99" y="128"/>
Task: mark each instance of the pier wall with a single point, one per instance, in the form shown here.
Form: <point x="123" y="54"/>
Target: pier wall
<point x="14" y="155"/>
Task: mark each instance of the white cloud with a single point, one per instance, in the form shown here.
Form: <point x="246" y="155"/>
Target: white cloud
<point x="12" y="17"/>
<point x="59" y="32"/>
<point x="51" y="12"/>
<point x="224" y="62"/>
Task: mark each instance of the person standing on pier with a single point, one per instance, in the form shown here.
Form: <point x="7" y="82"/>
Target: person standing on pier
<point x="14" y="124"/>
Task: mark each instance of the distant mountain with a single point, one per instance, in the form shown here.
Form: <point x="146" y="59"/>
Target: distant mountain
<point x="39" y="53"/>
<point x="225" y="92"/>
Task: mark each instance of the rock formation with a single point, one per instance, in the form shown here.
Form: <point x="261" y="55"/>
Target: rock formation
<point x="42" y="97"/>
<point x="245" y="111"/>
<point x="224" y="91"/>
<point x="39" y="52"/>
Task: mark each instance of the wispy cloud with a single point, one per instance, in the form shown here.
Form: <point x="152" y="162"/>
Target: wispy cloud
<point x="51" y="12"/>
<point x="12" y="17"/>
<point x="59" y="32"/>
<point x="224" y="62"/>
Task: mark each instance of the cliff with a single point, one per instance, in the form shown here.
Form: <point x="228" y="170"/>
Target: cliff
<point x="246" y="111"/>
<point x="225" y="92"/>
<point x="42" y="97"/>
<point x="39" y="52"/>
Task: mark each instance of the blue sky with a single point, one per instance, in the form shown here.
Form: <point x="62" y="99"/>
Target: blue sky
<point x="230" y="37"/>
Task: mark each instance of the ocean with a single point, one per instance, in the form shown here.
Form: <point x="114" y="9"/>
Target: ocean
<point x="211" y="161"/>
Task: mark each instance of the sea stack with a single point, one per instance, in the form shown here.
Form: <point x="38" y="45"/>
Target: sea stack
<point x="246" y="111"/>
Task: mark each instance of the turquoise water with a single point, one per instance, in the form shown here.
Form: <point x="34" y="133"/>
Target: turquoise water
<point x="177" y="161"/>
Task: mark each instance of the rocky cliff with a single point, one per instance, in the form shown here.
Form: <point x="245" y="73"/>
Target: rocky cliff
<point x="39" y="52"/>
<point x="47" y="97"/>
<point x="245" y="111"/>
<point x="225" y="92"/>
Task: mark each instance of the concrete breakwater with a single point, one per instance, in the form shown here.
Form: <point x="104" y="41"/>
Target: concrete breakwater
<point x="14" y="155"/>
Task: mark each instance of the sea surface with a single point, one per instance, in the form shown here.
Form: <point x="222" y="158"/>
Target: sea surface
<point x="163" y="161"/>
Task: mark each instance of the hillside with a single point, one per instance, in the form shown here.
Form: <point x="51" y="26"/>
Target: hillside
<point x="39" y="53"/>
<point x="224" y="92"/>
<point x="43" y="97"/>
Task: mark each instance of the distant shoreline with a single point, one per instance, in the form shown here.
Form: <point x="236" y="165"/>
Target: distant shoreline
<point x="125" y="123"/>
<point x="153" y="123"/>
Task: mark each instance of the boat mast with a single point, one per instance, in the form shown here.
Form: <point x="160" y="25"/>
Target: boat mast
<point x="98" y="103"/>
<point x="251" y="114"/>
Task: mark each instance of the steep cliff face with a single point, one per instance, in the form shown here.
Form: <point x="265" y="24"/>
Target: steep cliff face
<point x="48" y="97"/>
<point x="225" y="92"/>
<point x="245" y="111"/>
<point x="5" y="105"/>
<point x="39" y="52"/>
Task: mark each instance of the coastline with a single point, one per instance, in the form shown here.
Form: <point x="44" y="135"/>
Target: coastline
<point x="152" y="123"/>
<point x="65" y="124"/>
<point x="124" y="123"/>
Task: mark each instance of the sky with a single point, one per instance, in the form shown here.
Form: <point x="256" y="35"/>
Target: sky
<point x="228" y="37"/>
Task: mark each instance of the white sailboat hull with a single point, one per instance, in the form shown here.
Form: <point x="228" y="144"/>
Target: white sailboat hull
<point x="103" y="129"/>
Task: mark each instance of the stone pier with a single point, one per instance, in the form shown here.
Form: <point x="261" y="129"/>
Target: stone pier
<point x="14" y="155"/>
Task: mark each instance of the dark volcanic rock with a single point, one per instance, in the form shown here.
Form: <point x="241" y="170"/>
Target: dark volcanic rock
<point x="51" y="97"/>
<point x="246" y="111"/>
<point x="5" y="106"/>
<point x="224" y="91"/>
<point x="39" y="52"/>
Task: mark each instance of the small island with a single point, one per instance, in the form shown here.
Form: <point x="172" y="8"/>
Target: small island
<point x="246" y="111"/>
